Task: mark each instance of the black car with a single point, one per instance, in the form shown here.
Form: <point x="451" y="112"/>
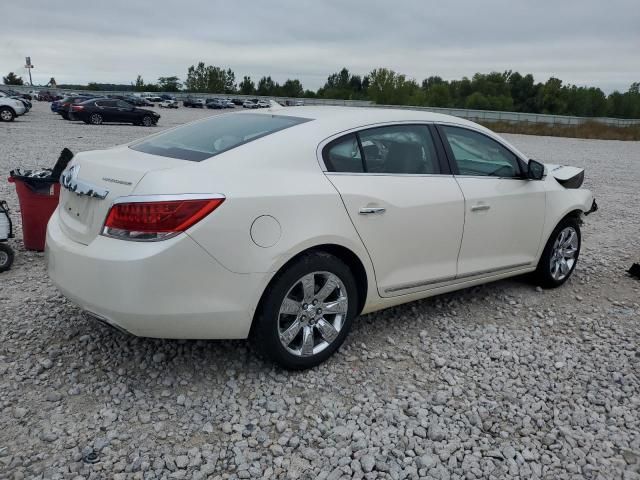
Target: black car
<point x="65" y="110"/>
<point x="100" y="111"/>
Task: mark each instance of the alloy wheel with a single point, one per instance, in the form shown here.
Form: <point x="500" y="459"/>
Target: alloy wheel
<point x="563" y="256"/>
<point x="6" y="115"/>
<point x="4" y="258"/>
<point x="147" y="122"/>
<point x="96" y="119"/>
<point x="312" y="313"/>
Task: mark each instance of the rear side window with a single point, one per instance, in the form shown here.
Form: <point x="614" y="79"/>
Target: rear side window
<point x="217" y="134"/>
<point x="343" y="155"/>
<point x="396" y="149"/>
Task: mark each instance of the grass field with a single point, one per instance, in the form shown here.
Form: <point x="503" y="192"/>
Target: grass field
<point x="592" y="130"/>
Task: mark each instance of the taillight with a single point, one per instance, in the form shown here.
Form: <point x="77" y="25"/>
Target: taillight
<point x="147" y="219"/>
<point x="77" y="108"/>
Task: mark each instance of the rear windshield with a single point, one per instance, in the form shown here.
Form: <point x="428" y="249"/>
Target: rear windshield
<point x="217" y="134"/>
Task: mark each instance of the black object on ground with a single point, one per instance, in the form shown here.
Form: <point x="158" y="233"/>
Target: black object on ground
<point x="63" y="160"/>
<point x="634" y="271"/>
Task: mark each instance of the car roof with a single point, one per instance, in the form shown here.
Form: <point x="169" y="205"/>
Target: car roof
<point x="333" y="120"/>
<point x="336" y="119"/>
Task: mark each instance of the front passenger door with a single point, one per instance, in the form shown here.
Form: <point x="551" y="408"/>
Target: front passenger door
<point x="504" y="212"/>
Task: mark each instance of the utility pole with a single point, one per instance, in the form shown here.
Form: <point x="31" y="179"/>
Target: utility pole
<point x="28" y="66"/>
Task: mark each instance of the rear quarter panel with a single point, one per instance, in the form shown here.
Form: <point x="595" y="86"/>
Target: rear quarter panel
<point x="277" y="175"/>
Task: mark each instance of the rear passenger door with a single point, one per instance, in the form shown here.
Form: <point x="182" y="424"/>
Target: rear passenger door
<point x="403" y="201"/>
<point x="108" y="110"/>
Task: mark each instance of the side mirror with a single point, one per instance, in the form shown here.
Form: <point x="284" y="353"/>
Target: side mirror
<point x="535" y="170"/>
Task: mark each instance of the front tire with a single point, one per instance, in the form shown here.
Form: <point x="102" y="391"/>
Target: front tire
<point x="7" y="114"/>
<point x="306" y="312"/>
<point x="560" y="255"/>
<point x="147" y="121"/>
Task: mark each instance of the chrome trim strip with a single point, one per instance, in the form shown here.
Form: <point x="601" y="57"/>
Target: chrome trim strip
<point x="466" y="276"/>
<point x="167" y="198"/>
<point x="376" y="174"/>
<point x="492" y="177"/>
<point x="69" y="180"/>
<point x="409" y="286"/>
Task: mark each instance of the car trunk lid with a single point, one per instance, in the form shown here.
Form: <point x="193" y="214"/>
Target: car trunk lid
<point x="95" y="179"/>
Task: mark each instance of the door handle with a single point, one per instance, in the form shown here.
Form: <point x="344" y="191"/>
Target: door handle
<point x="479" y="208"/>
<point x="371" y="210"/>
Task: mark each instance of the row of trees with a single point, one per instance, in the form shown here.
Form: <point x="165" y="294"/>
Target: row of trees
<point x="506" y="91"/>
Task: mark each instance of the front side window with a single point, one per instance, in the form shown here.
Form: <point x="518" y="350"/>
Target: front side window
<point x="478" y="155"/>
<point x="123" y="104"/>
<point x="214" y="135"/>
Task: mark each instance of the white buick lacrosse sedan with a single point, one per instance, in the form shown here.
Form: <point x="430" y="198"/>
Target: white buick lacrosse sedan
<point x="284" y="225"/>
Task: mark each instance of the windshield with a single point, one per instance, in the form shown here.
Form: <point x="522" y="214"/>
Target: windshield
<point x="217" y="134"/>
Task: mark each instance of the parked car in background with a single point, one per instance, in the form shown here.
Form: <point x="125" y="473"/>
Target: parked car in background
<point x="153" y="98"/>
<point x="64" y="106"/>
<point x="250" y="104"/>
<point x="168" y="104"/>
<point x="193" y="102"/>
<point x="263" y="104"/>
<point x="215" y="103"/>
<point x="46" y="96"/>
<point x="165" y="96"/>
<point x="138" y="101"/>
<point x="16" y="93"/>
<point x="10" y="108"/>
<point x="99" y="111"/>
<point x="228" y="103"/>
<point x="238" y="101"/>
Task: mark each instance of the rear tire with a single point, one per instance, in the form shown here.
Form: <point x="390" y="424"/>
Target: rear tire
<point x="560" y="255"/>
<point x="95" y="119"/>
<point x="306" y="312"/>
<point x="7" y="114"/>
<point x="6" y="257"/>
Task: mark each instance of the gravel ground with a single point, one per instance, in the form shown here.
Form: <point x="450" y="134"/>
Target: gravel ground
<point x="499" y="381"/>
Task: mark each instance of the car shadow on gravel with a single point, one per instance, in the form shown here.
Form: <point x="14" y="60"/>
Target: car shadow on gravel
<point x="402" y="324"/>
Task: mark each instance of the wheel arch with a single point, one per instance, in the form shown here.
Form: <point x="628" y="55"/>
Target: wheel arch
<point x="351" y="259"/>
<point x="575" y="212"/>
<point x="8" y="107"/>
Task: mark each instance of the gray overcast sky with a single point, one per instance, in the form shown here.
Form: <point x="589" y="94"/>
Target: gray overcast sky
<point x="586" y="42"/>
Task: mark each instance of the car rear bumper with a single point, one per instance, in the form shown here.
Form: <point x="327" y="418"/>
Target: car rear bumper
<point x="168" y="289"/>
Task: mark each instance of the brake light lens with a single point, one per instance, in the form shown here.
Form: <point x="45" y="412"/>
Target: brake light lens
<point x="150" y="221"/>
<point x="77" y="108"/>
